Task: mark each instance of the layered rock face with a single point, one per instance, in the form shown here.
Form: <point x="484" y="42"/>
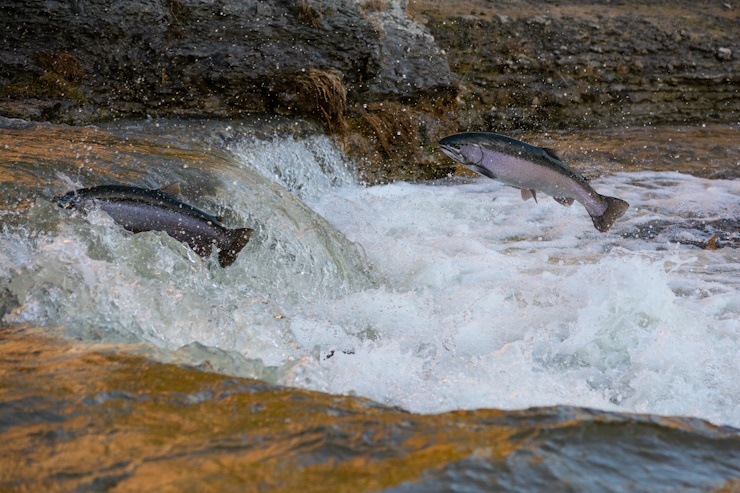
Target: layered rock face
<point x="520" y="63"/>
<point x="83" y="60"/>
<point x="375" y="72"/>
<point x="527" y="64"/>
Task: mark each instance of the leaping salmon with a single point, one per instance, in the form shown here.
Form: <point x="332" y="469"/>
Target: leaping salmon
<point x="531" y="169"/>
<point x="142" y="209"/>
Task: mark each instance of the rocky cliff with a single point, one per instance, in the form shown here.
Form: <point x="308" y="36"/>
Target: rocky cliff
<point x="528" y="64"/>
<point x="84" y="60"/>
<point x="388" y="77"/>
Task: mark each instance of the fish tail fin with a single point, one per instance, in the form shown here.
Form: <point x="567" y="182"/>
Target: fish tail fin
<point x="615" y="208"/>
<point x="237" y="238"/>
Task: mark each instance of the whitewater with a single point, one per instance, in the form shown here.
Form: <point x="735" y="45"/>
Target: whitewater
<point x="488" y="301"/>
<point x="433" y="296"/>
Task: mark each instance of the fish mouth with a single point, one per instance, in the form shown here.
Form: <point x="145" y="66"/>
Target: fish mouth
<point x="452" y="152"/>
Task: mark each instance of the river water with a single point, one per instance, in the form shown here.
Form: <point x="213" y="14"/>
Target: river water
<point x="431" y="298"/>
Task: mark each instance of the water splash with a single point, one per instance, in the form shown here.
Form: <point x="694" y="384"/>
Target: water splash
<point x="308" y="168"/>
<point x="103" y="283"/>
<point x="475" y="299"/>
<point x="491" y="302"/>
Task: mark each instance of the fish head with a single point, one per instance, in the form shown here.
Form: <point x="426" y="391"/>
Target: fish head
<point x="462" y="150"/>
<point x="70" y="200"/>
<point x="66" y="201"/>
<point x="452" y="150"/>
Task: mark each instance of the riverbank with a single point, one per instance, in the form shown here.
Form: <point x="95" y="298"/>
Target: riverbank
<point x="91" y="418"/>
<point x="386" y="78"/>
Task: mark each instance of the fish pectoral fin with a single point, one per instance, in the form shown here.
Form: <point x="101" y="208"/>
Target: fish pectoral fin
<point x="567" y="202"/>
<point x="172" y="189"/>
<point x="529" y="194"/>
<point x="480" y="169"/>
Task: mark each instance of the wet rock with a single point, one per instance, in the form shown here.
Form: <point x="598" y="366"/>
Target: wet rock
<point x="197" y="57"/>
<point x="724" y="54"/>
<point x="411" y="64"/>
<point x="640" y="68"/>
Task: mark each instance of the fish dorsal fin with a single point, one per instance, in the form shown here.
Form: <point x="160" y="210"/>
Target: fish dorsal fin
<point x="567" y="202"/>
<point x="711" y="243"/>
<point x="172" y="189"/>
<point x="552" y="153"/>
<point x="529" y="194"/>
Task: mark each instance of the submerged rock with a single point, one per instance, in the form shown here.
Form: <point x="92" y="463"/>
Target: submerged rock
<point x="231" y="433"/>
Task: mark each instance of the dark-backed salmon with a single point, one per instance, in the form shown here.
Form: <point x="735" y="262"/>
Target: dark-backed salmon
<point x="142" y="209"/>
<point x="531" y="169"/>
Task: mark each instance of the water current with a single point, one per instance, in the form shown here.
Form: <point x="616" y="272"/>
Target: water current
<point x="432" y="297"/>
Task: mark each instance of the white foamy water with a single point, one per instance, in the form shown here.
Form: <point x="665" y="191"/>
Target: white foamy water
<point x="492" y="302"/>
<point x="477" y="299"/>
<point x="487" y="301"/>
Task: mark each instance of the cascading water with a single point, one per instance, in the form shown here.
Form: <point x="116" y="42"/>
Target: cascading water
<point x="491" y="302"/>
<point x="101" y="282"/>
<point x="431" y="296"/>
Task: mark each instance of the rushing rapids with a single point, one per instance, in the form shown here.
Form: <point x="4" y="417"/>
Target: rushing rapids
<point x="443" y="296"/>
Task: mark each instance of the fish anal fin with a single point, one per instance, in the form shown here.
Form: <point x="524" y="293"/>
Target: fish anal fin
<point x="236" y="240"/>
<point x="553" y="153"/>
<point x="172" y="189"/>
<point x="566" y="201"/>
<point x="529" y="194"/>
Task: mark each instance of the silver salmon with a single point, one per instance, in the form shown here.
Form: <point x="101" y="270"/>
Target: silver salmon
<point x="142" y="209"/>
<point x="531" y="169"/>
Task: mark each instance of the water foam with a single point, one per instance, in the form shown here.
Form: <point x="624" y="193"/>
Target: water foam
<point x="481" y="300"/>
<point x="100" y="282"/>
<point x="491" y="302"/>
<point x="307" y="168"/>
